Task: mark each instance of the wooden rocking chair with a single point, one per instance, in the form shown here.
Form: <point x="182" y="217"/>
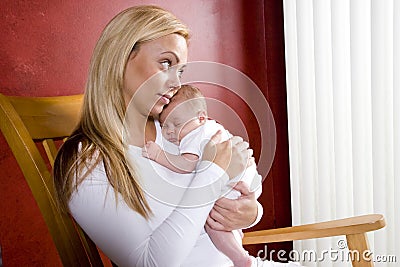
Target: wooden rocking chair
<point x="27" y="120"/>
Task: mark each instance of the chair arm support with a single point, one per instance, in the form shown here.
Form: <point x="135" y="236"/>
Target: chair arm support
<point x="352" y="225"/>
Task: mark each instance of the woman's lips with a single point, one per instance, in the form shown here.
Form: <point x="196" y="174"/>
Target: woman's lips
<point x="165" y="99"/>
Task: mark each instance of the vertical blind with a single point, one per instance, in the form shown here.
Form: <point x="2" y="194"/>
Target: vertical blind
<point x="343" y="88"/>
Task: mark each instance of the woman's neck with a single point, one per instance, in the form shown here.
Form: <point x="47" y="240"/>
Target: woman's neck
<point x="150" y="131"/>
<point x="141" y="131"/>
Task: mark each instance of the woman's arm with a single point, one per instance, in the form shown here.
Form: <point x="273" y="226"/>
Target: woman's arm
<point x="131" y="240"/>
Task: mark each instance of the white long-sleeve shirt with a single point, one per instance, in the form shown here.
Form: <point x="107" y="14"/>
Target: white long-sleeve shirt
<point x="173" y="236"/>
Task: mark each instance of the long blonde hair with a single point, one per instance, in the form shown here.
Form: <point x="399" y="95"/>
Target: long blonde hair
<point x="99" y="135"/>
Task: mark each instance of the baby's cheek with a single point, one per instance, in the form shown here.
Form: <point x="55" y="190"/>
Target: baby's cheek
<point x="164" y="133"/>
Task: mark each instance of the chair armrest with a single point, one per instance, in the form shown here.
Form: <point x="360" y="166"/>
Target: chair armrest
<point x="352" y="225"/>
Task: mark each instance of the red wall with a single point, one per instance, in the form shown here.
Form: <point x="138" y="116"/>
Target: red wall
<point x="45" y="50"/>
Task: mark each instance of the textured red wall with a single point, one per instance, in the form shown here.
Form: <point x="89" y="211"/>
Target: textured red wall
<point x="45" y="50"/>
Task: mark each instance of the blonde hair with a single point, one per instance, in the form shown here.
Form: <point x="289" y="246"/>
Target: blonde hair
<point x="99" y="135"/>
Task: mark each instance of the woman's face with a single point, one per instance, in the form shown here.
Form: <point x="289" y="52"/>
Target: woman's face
<point x="164" y="57"/>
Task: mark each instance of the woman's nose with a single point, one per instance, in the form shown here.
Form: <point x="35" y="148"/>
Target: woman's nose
<point x="174" y="81"/>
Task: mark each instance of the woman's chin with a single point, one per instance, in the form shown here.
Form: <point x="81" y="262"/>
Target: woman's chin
<point x="155" y="112"/>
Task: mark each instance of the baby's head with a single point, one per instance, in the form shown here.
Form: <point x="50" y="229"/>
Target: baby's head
<point x="186" y="112"/>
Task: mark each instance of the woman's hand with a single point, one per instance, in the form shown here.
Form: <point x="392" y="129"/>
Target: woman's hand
<point x="231" y="214"/>
<point x="232" y="155"/>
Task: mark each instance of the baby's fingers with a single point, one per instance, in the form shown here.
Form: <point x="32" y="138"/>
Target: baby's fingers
<point x="145" y="152"/>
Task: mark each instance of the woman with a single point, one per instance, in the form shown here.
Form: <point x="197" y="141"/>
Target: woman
<point x="100" y="180"/>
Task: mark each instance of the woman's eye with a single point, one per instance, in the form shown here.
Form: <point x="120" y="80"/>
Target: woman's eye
<point x="166" y="64"/>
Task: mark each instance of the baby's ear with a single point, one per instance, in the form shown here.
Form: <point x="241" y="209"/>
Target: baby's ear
<point x="202" y="115"/>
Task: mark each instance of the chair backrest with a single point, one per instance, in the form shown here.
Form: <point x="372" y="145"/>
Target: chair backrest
<point x="25" y="122"/>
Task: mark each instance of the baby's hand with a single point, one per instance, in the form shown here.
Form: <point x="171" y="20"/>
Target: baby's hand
<point x="151" y="150"/>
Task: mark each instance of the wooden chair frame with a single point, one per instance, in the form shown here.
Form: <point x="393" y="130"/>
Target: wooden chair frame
<point x="27" y="120"/>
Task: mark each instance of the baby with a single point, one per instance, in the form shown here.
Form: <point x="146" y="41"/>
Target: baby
<point x="185" y="123"/>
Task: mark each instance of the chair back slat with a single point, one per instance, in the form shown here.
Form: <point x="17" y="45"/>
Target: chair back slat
<point x="24" y="120"/>
<point x="51" y="150"/>
<point x="48" y="117"/>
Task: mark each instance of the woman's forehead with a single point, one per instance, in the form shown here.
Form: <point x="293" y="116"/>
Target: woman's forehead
<point x="174" y="44"/>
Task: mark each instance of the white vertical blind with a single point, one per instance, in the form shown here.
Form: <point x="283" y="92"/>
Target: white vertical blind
<point x="396" y="124"/>
<point x="343" y="87"/>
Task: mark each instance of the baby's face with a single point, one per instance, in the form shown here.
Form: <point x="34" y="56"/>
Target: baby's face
<point x="177" y="120"/>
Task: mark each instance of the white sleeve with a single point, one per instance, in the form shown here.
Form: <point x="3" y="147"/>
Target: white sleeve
<point x="260" y="209"/>
<point x="125" y="236"/>
<point x="260" y="212"/>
